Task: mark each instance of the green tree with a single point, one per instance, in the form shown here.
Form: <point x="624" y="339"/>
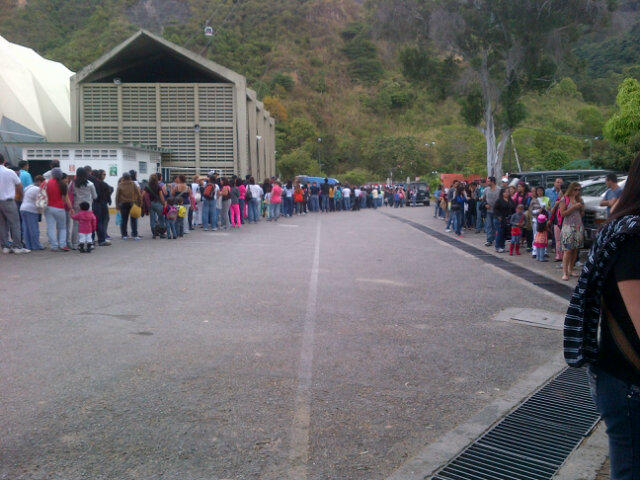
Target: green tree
<point x="419" y="64"/>
<point x="555" y="160"/>
<point x="297" y="162"/>
<point x="362" y="53"/>
<point x="625" y="123"/>
<point x="505" y="45"/>
<point x="357" y="176"/>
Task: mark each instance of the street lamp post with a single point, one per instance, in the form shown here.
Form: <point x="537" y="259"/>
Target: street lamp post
<point x="319" y="153"/>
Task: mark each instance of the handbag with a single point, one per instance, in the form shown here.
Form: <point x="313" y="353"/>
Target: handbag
<point x="135" y="211"/>
<point x="42" y="200"/>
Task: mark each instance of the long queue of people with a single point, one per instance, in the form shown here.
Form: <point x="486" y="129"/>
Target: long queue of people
<point x="537" y="219"/>
<point x="77" y="209"/>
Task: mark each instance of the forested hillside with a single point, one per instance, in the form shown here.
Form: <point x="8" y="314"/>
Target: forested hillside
<point x="353" y="95"/>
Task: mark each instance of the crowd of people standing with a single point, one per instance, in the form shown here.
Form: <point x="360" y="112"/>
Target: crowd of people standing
<point x="541" y="220"/>
<point x="79" y="205"/>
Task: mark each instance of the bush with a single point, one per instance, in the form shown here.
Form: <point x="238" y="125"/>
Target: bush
<point x="555" y="160"/>
<point x="284" y="80"/>
<point x="357" y="176"/>
<point x="297" y="162"/>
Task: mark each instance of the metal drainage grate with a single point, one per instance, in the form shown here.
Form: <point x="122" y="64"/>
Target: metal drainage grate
<point x="533" y="441"/>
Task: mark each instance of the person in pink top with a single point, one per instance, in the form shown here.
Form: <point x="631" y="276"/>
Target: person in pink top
<point x="87" y="224"/>
<point x="275" y="202"/>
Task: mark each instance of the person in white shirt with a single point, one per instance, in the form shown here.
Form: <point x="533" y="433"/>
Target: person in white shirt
<point x="253" y="206"/>
<point x="346" y="197"/>
<point x="10" y="185"/>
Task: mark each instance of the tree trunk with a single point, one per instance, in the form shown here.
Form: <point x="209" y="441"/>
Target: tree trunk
<point x="495" y="147"/>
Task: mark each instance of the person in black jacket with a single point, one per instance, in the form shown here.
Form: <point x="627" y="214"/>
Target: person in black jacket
<point x="101" y="204"/>
<point x="502" y="210"/>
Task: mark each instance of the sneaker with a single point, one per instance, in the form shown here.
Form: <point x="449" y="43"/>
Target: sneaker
<point x="6" y="250"/>
<point x="488" y="244"/>
<point x="447" y="229"/>
<point x="21" y="250"/>
<point x="124" y="237"/>
<point x="136" y="238"/>
<point x="64" y="249"/>
<point x="107" y="237"/>
<point x="106" y="243"/>
<point x="81" y="248"/>
<point x="500" y="250"/>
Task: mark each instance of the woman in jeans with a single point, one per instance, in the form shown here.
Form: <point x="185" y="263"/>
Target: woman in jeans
<point x="81" y="190"/>
<point x="572" y="233"/>
<point x="607" y="300"/>
<point x="55" y="212"/>
<point x="127" y="195"/>
<point x="254" y="204"/>
<point x="156" y="206"/>
<point x="457" y="208"/>
<point x="225" y="195"/>
<point x="502" y="210"/>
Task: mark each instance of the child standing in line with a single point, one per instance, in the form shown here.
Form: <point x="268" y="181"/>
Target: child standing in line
<point x="541" y="239"/>
<point x="87" y="224"/>
<point x="171" y="214"/>
<point x="516" y="221"/>
<point x="182" y="214"/>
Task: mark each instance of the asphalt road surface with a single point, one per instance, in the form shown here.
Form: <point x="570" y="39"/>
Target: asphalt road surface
<point x="321" y="347"/>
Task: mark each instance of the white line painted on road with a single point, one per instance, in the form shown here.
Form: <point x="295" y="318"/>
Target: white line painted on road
<point x="383" y="281"/>
<point x="299" y="452"/>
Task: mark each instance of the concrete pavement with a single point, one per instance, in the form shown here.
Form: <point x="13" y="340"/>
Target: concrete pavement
<point x="182" y="359"/>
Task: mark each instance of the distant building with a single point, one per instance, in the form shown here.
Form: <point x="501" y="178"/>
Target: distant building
<point x="148" y="91"/>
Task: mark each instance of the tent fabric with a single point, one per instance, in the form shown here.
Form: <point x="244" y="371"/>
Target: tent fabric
<point x="35" y="93"/>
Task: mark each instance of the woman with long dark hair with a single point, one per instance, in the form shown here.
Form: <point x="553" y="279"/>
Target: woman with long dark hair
<point x="502" y="210"/>
<point x="572" y="233"/>
<point x="153" y="192"/>
<point x="58" y="200"/>
<point x="607" y="300"/>
<point x="81" y="190"/>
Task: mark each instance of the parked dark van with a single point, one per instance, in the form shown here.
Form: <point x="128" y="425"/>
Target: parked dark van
<point x="422" y="190"/>
<point x="547" y="177"/>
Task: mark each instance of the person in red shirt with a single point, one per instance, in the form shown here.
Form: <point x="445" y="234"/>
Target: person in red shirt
<point x="55" y="213"/>
<point x="276" y="200"/>
<point x="87" y="224"/>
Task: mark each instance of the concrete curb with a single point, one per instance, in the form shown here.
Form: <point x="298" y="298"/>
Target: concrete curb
<point x="434" y="456"/>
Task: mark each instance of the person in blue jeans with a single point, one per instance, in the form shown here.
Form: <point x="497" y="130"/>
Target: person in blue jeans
<point x="605" y="333"/>
<point x="314" y="204"/>
<point x="490" y="196"/>
<point x="209" y="208"/>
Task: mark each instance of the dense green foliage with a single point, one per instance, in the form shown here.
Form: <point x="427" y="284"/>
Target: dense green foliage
<point x="363" y="79"/>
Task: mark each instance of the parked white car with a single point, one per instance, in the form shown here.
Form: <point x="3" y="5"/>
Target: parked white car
<point x="593" y="191"/>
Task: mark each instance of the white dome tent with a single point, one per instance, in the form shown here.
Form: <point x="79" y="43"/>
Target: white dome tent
<point x="34" y="103"/>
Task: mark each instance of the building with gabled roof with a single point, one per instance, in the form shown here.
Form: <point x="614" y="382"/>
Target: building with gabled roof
<point x="149" y="91"/>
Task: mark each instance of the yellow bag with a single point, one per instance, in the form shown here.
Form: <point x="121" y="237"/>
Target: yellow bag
<point x="136" y="211"/>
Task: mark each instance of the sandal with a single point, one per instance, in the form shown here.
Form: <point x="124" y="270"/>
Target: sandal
<point x="565" y="278"/>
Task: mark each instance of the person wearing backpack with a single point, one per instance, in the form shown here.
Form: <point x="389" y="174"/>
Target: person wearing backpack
<point x="127" y="195"/>
<point x="171" y="216"/>
<point x="209" y="209"/>
<point x="225" y="195"/>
